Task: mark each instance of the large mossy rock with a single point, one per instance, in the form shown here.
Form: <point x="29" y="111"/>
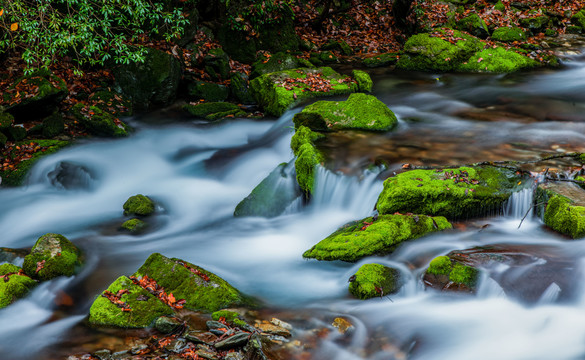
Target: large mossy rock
<point x="536" y="24"/>
<point x="112" y="102"/>
<point x="217" y="64"/>
<point x="371" y="236"/>
<point x="498" y="60"/>
<point x="565" y="208"/>
<point x="445" y="273"/>
<point x="273" y="195"/>
<point x="151" y="83"/>
<point x="52" y="255"/>
<point x="14" y="284"/>
<point x="424" y="52"/>
<point x="474" y="25"/>
<point x="374" y="280"/>
<point x="99" y="122"/>
<point x="381" y="60"/>
<point x="137" y="308"/>
<point x="458" y="193"/>
<point x="509" y="34"/>
<point x="278" y="62"/>
<point x="139" y="205"/>
<point x="579" y="19"/>
<point x="359" y="112"/>
<point x="208" y="91"/>
<point x="278" y="91"/>
<point x="201" y="289"/>
<point x="214" y="110"/>
<point x="240" y="88"/>
<point x="308" y="157"/>
<point x="49" y="91"/>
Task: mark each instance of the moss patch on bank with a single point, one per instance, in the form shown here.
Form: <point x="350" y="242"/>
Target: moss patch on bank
<point x="373" y="280"/>
<point x="13" y="284"/>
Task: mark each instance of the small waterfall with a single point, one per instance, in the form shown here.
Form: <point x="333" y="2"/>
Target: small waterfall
<point x="519" y="204"/>
<point x="356" y="194"/>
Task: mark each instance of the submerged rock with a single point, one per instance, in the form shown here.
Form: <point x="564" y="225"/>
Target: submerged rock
<point x="371" y="236"/>
<point x="445" y="273"/>
<point x="374" y="280"/>
<point x="565" y="208"/>
<point x="139" y="205"/>
<point x="52" y="255"/>
<point x="278" y="91"/>
<point x="134" y="225"/>
<point x="273" y="195"/>
<point x="458" y="193"/>
<point x="14" y="284"/>
<point x="99" y="122"/>
<point x="360" y="112"/>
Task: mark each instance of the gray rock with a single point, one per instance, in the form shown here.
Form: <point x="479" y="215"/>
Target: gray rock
<point x="239" y="339"/>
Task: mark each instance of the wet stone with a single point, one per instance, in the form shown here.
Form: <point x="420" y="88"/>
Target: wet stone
<point x="138" y="349"/>
<point x="167" y="324"/>
<point x="239" y="339"/>
<point x="205" y="352"/>
<point x="342" y="325"/>
<point x="214" y="325"/>
<point x="176" y="346"/>
<point x="120" y="355"/>
<point x="203" y="338"/>
<point x="234" y="356"/>
<point x="272" y="329"/>
<point x="104" y="354"/>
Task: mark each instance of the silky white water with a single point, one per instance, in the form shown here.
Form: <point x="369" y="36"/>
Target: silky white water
<point x="198" y="174"/>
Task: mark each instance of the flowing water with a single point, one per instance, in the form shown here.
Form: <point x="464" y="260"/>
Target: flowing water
<point x="533" y="308"/>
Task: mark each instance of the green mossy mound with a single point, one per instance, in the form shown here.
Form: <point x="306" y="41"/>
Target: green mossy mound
<point x="381" y="60"/>
<point x="270" y="93"/>
<point x="16" y="177"/>
<point x="208" y="91"/>
<point x="369" y="237"/>
<point x="498" y="60"/>
<point x="458" y="193"/>
<point x="308" y="157"/>
<point x="565" y="217"/>
<point x="272" y="196"/>
<point x="509" y="34"/>
<point x="363" y="80"/>
<point x="99" y="122"/>
<point x="114" y="103"/>
<point x="139" y="205"/>
<point x="217" y="64"/>
<point x="6" y="120"/>
<point x="579" y="19"/>
<point x="536" y="24"/>
<point x="3" y="140"/>
<point x="339" y="46"/>
<point x="52" y="255"/>
<point x="13" y="284"/>
<point x="374" y="280"/>
<point x="200" y="294"/>
<point x="303" y="135"/>
<point x="214" y="110"/>
<point x="278" y="62"/>
<point x="448" y="274"/>
<point x="53" y="125"/>
<point x="359" y="112"/>
<point x="424" y="52"/>
<point x="323" y="57"/>
<point x="474" y="25"/>
<point x="144" y="307"/>
<point x="134" y="225"/>
<point x="240" y="88"/>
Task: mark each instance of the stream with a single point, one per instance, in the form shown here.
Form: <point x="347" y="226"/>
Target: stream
<point x="199" y="172"/>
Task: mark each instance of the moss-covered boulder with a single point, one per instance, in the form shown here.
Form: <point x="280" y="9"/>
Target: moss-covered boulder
<point x="381" y="60"/>
<point x="134" y="225"/>
<point x="3" y="140"/>
<point x="579" y="19"/>
<point x="201" y="289"/>
<point x="445" y="273"/>
<point x="565" y="208"/>
<point x="14" y="284"/>
<point x="214" y="110"/>
<point x="374" y="280"/>
<point x="139" y="205"/>
<point x="151" y="83"/>
<point x="474" y="25"/>
<point x="497" y="60"/>
<point x="363" y="80"/>
<point x="308" y="157"/>
<point x="125" y="304"/>
<point x="359" y="112"/>
<point x="112" y="102"/>
<point x="278" y="91"/>
<point x="323" y="57"/>
<point x="240" y="88"/>
<point x="99" y="122"/>
<point x="49" y="91"/>
<point x="458" y="193"/>
<point x="278" y="62"/>
<point x="15" y="133"/>
<point x="52" y="255"/>
<point x="6" y="120"/>
<point x="208" y="91"/>
<point x="372" y="236"/>
<point x="509" y="34"/>
<point x="340" y="46"/>
<point x="217" y="64"/>
<point x="15" y="177"/>
<point x="536" y="24"/>
<point x="273" y="195"/>
<point x="426" y="52"/>
<point x="53" y="125"/>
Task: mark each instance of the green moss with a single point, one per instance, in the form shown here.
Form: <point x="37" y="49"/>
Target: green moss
<point x="363" y="80"/>
<point x="217" y="64"/>
<point x="99" y="122"/>
<point x="441" y="265"/>
<point x="474" y="25"/>
<point x="340" y="46"/>
<point x="373" y="280"/>
<point x="114" y="103"/>
<point x="278" y="62"/>
<point x="13" y="286"/>
<point x="3" y="140"/>
<point x="139" y="205"/>
<point x="51" y="90"/>
<point x="535" y="24"/>
<point x="229" y="316"/>
<point x="579" y="19"/>
<point x="424" y="52"/>
<point x="6" y="120"/>
<point x="462" y="274"/>
<point x="509" y="34"/>
<point x="498" y="60"/>
<point x="562" y="216"/>
<point x="208" y="91"/>
<point x="457" y="193"/>
<point x="52" y="255"/>
<point x="303" y="135"/>
<point x="270" y="93"/>
<point x="53" y="125"/>
<point x="199" y="294"/>
<point x="16" y="177"/>
<point x="240" y="88"/>
<point x="360" y="111"/>
<point x="212" y="110"/>
<point x="134" y="225"/>
<point x="145" y="308"/>
<point x="358" y="239"/>
<point x="308" y="158"/>
<point x="500" y="6"/>
<point x="381" y="60"/>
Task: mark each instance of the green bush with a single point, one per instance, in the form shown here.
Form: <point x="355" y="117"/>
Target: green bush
<point x="91" y="32"/>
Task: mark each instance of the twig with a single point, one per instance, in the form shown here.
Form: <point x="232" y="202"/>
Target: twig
<point x="527" y="212"/>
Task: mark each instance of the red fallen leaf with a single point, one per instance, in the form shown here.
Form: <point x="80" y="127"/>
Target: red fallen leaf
<point x="40" y="266"/>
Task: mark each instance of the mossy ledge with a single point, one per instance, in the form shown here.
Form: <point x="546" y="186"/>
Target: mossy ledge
<point x="373" y="280"/>
<point x="369" y="237"/>
<point x="14" y="285"/>
<point x="455" y="193"/>
<point x="445" y="273"/>
<point x="564" y="216"/>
